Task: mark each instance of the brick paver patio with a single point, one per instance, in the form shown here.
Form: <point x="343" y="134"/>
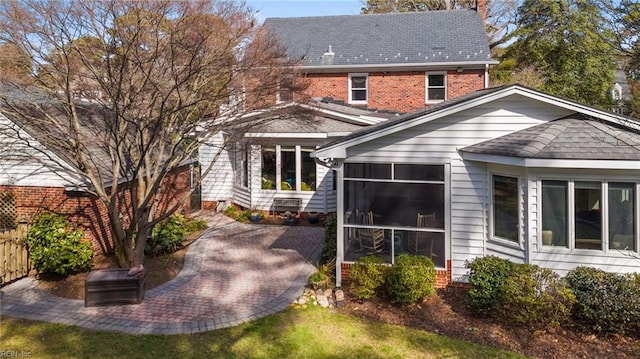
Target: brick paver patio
<point x="232" y="274"/>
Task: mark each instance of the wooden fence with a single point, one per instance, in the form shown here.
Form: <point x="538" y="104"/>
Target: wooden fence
<point x="14" y="258"/>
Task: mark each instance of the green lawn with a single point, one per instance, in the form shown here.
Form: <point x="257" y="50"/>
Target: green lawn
<point x="294" y="333"/>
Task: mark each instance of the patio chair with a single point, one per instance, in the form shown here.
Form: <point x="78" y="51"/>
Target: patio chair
<point x="370" y="238"/>
<point x="422" y="241"/>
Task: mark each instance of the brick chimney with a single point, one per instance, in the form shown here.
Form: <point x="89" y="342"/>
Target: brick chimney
<point x="481" y="8"/>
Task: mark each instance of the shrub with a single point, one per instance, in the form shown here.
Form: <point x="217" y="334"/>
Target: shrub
<point x="329" y="250"/>
<point x="607" y="303"/>
<point x="486" y="276"/>
<point x="318" y="280"/>
<point x="167" y="235"/>
<point x="193" y="225"/>
<point x="55" y="248"/>
<point x="410" y="279"/>
<point x="367" y="276"/>
<point x="535" y="297"/>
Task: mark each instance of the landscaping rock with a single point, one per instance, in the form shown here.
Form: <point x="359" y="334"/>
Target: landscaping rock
<point x="339" y="298"/>
<point x="322" y="300"/>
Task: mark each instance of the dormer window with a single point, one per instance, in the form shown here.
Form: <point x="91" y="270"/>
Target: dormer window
<point x="358" y="88"/>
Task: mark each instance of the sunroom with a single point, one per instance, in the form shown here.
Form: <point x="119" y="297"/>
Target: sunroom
<point x="579" y="181"/>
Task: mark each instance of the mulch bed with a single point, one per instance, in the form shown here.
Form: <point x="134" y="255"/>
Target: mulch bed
<point x="446" y="313"/>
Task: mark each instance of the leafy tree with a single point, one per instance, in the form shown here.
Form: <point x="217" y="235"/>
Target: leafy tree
<point x="568" y="41"/>
<point x="129" y="90"/>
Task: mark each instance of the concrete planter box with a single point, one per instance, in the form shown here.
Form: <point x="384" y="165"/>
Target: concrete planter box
<point x="113" y="287"/>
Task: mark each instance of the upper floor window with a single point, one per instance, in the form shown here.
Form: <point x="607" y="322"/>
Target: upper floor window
<point x="436" y="87"/>
<point x="358" y="88"/>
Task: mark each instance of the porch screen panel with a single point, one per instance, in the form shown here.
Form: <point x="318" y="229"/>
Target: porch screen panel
<point x="288" y="168"/>
<point x="418" y="172"/>
<point x="554" y="213"/>
<point x="367" y="170"/>
<point x="588" y="215"/>
<point x="396" y="204"/>
<point x="268" y="170"/>
<point x="622" y="216"/>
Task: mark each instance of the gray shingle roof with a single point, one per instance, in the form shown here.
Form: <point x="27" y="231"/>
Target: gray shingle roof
<point x="574" y="137"/>
<point x="377" y="39"/>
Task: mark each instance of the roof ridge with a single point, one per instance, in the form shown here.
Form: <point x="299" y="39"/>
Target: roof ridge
<point x="389" y="14"/>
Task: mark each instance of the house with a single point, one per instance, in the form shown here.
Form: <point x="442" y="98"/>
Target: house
<point x="506" y="171"/>
<point x="395" y="61"/>
<point x="360" y="70"/>
<point x="621" y="93"/>
<point x="38" y="174"/>
<point x="270" y="159"/>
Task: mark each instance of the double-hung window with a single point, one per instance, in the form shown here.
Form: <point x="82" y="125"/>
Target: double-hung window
<point x="436" y="87"/>
<point x="358" y="88"/>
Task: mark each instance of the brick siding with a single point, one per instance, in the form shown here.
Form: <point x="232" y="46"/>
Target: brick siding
<point x="84" y="210"/>
<point x="397" y="91"/>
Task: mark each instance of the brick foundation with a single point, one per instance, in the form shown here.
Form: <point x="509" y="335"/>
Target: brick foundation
<point x="443" y="276"/>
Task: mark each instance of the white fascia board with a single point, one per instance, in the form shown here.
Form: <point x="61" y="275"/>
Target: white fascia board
<point x="415" y="66"/>
<point x="552" y="163"/>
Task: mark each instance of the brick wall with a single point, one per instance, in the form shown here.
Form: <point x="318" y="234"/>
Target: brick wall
<point x="85" y="210"/>
<point x="443" y="276"/>
<point x="398" y="91"/>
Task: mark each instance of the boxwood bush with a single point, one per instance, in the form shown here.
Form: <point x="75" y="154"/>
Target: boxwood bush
<point x="535" y="297"/>
<point x="410" y="279"/>
<point x="367" y="276"/>
<point x="486" y="276"/>
<point x="56" y="248"/>
<point x="607" y="303"/>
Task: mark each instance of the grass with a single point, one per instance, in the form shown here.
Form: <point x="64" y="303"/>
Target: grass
<point x="295" y="333"/>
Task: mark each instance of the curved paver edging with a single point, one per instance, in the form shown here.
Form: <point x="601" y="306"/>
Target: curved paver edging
<point x="232" y="274"/>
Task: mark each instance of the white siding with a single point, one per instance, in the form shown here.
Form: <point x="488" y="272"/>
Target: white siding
<point x="438" y="141"/>
<point x="217" y="183"/>
<point x="321" y="200"/>
<point x="26" y="162"/>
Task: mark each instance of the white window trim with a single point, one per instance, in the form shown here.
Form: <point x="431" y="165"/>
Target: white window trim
<point x="604" y="185"/>
<point x="366" y="89"/>
<point x="518" y="243"/>
<point x="426" y="86"/>
<point x="298" y="159"/>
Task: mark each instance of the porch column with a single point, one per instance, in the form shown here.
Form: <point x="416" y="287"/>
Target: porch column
<point x="339" y="222"/>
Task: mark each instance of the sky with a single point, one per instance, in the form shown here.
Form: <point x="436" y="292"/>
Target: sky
<point x="293" y="8"/>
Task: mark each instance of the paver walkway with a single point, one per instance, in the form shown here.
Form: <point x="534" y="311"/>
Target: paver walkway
<point x="232" y="274"/>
